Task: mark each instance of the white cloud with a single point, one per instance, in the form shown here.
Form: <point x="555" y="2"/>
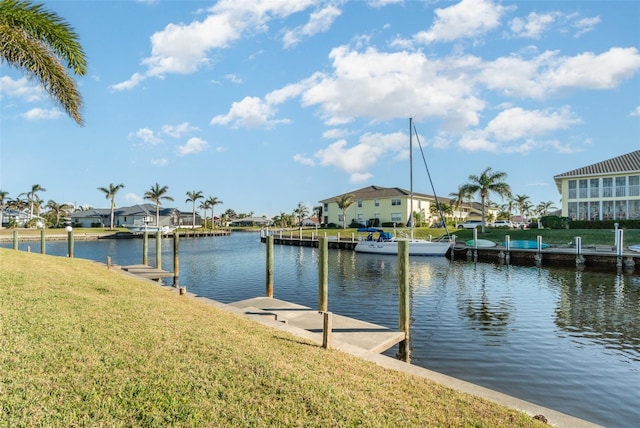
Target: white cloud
<point x="319" y="21"/>
<point x="548" y="73"/>
<point x="146" y="136"/>
<point x="134" y="198"/>
<point x="467" y="19"/>
<point x="534" y="25"/>
<point x="193" y="145"/>
<point x="185" y="48"/>
<point x="177" y="131"/>
<point x="42" y="114"/>
<point x="636" y="112"/>
<point x="586" y="25"/>
<point x="251" y="112"/>
<point x="21" y="88"/>
<point x="358" y="159"/>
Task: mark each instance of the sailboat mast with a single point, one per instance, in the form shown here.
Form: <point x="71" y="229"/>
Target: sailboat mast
<point x="411" y="173"/>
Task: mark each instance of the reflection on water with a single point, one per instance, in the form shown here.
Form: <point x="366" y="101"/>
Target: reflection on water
<point x="563" y="338"/>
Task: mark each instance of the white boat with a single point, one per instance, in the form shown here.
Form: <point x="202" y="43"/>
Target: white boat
<point x="385" y="243"/>
<point x="151" y="229"/>
<point x="635" y="247"/>
<point x="480" y="243"/>
<point x="380" y="242"/>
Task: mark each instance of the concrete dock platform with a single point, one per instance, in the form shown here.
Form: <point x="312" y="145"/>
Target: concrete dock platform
<point x="364" y="335"/>
<point x="147" y="272"/>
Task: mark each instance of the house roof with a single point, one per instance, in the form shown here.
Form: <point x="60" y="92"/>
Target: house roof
<point x="374" y="192"/>
<point x="629" y="162"/>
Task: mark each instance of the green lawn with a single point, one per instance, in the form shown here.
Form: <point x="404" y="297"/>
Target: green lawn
<point x="81" y="345"/>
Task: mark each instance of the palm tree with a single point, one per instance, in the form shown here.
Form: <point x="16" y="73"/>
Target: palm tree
<point x="157" y="194"/>
<point x="344" y="202"/>
<point x="110" y="193"/>
<point x="32" y="196"/>
<point x="301" y="212"/>
<point x="57" y="210"/>
<point x="213" y="201"/>
<point x="3" y="197"/>
<point x="487" y="182"/>
<point x="522" y="204"/>
<point x="36" y="41"/>
<point x="193" y="197"/>
<point x="204" y="206"/>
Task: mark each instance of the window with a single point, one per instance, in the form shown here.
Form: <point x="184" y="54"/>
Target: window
<point x="607" y="210"/>
<point x="396" y="217"/>
<point x="572" y="210"/>
<point x="582" y="211"/>
<point x="573" y="185"/>
<point x="376" y="202"/>
<point x="326" y="207"/>
<point x="594" y="210"/>
<point x="340" y="217"/>
<point x="582" y="188"/>
<point x="607" y="187"/>
<point x="634" y="185"/>
<point x="594" y="188"/>
<point x="396" y="202"/>
<point x="634" y="209"/>
<point x="359" y="203"/>
<point x="621" y="210"/>
<point x="621" y="186"/>
<point x="326" y="219"/>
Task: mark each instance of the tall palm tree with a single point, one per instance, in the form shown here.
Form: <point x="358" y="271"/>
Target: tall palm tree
<point x="484" y="184"/>
<point x="204" y="206"/>
<point x="38" y="41"/>
<point x="32" y="197"/>
<point x="157" y="194"/>
<point x="213" y="201"/>
<point x="344" y="202"/>
<point x="3" y="198"/>
<point x="193" y="197"/>
<point x="110" y="193"/>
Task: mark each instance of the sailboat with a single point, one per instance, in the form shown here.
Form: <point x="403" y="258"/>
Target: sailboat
<point x="380" y="242"/>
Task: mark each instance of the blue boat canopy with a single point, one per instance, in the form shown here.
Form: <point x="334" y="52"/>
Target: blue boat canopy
<point x="370" y="230"/>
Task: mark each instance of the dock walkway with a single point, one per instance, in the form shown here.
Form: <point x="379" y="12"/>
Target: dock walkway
<point x="147" y="272"/>
<point x="364" y="335"/>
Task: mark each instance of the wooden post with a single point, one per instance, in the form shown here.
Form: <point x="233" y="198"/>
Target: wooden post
<point x="159" y="250"/>
<point x="327" y="327"/>
<point x="43" y="242"/>
<point x="403" y="299"/>
<point x="145" y="248"/>
<point x="15" y="239"/>
<point x="323" y="275"/>
<point x="176" y="261"/>
<point x="269" y="270"/>
<point x="70" y="242"/>
<point x="108" y="262"/>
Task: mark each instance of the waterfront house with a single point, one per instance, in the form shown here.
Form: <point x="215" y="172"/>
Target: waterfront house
<point x="390" y="205"/>
<point x="136" y="215"/>
<point x="251" y="221"/>
<point x="607" y="190"/>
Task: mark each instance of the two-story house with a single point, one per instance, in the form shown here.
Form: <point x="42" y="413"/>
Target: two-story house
<point x="387" y="205"/>
<point x="607" y="190"/>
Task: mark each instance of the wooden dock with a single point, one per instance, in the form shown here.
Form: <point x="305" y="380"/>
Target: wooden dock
<point x="147" y="272"/>
<point x="364" y="335"/>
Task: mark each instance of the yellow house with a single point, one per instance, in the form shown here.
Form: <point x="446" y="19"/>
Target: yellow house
<point x="607" y="190"/>
<point x="387" y="205"/>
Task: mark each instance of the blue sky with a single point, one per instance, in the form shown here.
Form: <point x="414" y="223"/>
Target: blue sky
<point x="268" y="103"/>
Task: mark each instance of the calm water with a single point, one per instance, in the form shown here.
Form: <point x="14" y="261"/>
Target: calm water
<point x="565" y="339"/>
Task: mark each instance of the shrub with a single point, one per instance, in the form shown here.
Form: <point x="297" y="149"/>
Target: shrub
<point x="555" y="222"/>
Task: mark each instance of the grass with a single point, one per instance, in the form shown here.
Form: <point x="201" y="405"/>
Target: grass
<point x="81" y="345"/>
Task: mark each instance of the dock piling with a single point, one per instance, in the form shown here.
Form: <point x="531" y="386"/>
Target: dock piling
<point x="269" y="270"/>
<point x="403" y="299"/>
<point x="323" y="275"/>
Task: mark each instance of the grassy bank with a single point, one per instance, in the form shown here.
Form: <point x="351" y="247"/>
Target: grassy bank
<point x="84" y="346"/>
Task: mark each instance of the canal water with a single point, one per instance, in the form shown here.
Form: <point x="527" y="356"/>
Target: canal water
<point x="560" y="337"/>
